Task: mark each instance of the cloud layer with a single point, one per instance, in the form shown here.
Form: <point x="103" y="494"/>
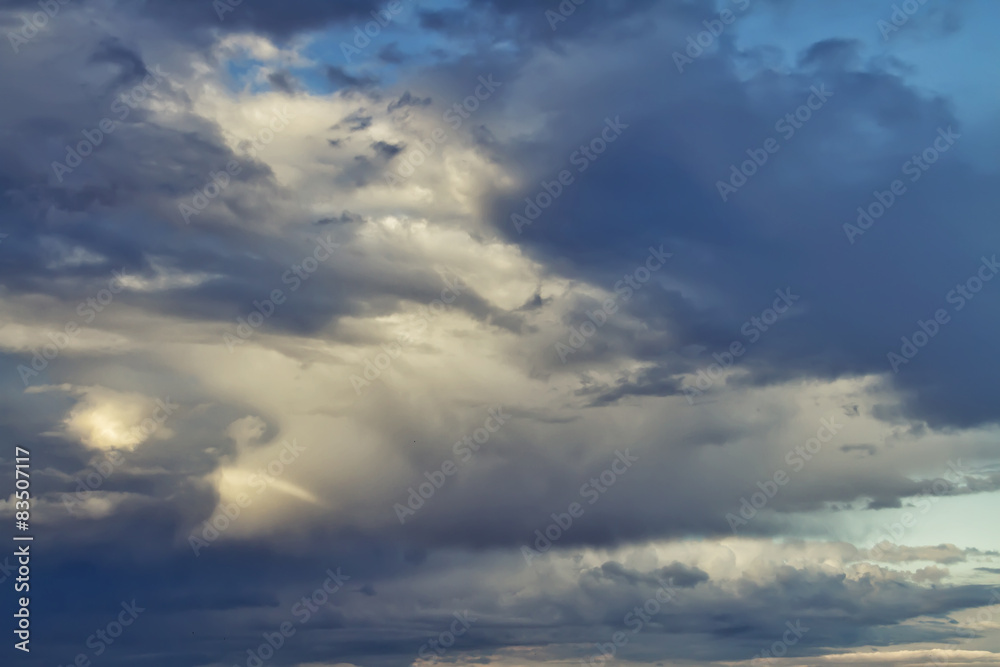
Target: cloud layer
<point x="495" y="333"/>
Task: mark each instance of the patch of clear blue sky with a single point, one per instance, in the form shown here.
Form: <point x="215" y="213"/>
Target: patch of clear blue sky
<point x="964" y="521"/>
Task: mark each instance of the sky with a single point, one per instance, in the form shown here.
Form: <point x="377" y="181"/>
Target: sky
<point x="500" y="332"/>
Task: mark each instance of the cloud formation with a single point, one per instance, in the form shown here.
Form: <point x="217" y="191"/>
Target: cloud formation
<point x="257" y="295"/>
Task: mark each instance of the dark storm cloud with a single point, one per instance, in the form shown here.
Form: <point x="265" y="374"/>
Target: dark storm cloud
<point x="671" y="468"/>
<point x="341" y="79"/>
<point x="215" y="607"/>
<point x="283" y="81"/>
<point x="386" y="150"/>
<point x="392" y="54"/>
<point x="657" y="381"/>
<point x="867" y="450"/>
<point x="281" y="19"/>
<point x="836" y="53"/>
<point x="357" y="121"/>
<point x="131" y="66"/>
<point x="284" y="20"/>
<point x="534" y="23"/>
<point x="676" y="574"/>
<point x="661" y="176"/>
<point x="344" y="218"/>
<point x="449" y="21"/>
<point x="408" y="100"/>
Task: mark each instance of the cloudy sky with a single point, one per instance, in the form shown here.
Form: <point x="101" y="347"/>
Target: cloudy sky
<point x="501" y="332"/>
